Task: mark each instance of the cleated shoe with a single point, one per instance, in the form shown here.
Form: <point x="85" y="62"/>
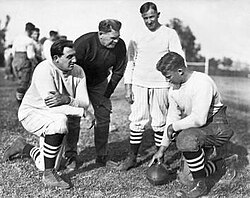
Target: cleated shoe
<point x="101" y="160"/>
<point x="16" y="148"/>
<point x="128" y="163"/>
<point x="71" y="164"/>
<point x="198" y="189"/>
<point x="52" y="179"/>
<point x="229" y="166"/>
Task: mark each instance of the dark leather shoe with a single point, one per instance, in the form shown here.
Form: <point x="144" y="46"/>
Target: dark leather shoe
<point x="229" y="165"/>
<point x="71" y="164"/>
<point x="52" y="179"/>
<point x="101" y="160"/>
<point x="198" y="188"/>
<point x="128" y="163"/>
<point x="16" y="148"/>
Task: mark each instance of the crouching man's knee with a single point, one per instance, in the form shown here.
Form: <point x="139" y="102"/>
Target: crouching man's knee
<point x="59" y="125"/>
<point x="189" y="140"/>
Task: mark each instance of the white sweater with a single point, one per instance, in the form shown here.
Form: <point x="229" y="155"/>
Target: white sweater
<point x="149" y="48"/>
<point x="23" y="43"/>
<point x="192" y="104"/>
<point x="47" y="77"/>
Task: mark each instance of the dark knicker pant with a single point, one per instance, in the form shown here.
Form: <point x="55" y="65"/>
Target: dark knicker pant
<point x="216" y="132"/>
<point x="24" y="71"/>
<point x="72" y="136"/>
<point x="102" y="110"/>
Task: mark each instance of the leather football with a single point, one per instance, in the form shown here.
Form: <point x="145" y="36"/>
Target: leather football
<point x="158" y="174"/>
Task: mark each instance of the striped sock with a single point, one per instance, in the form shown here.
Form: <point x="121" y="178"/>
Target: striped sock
<point x="196" y="163"/>
<point x="32" y="151"/>
<point x="135" y="141"/>
<point x="158" y="137"/>
<point x="51" y="147"/>
<point x="210" y="168"/>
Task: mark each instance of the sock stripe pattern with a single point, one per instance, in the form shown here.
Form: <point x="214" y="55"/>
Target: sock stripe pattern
<point x="34" y="153"/>
<point x="158" y="138"/>
<point x="196" y="163"/>
<point x="210" y="168"/>
<point x="50" y="151"/>
<point x="135" y="137"/>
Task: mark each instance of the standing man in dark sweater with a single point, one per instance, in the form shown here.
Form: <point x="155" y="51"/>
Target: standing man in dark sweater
<point x="100" y="53"/>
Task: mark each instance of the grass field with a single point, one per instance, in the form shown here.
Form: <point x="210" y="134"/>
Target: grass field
<point x="20" y="178"/>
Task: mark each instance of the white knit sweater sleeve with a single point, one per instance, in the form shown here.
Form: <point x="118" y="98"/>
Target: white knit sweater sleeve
<point x="202" y="96"/>
<point x="175" y="44"/>
<point x="173" y="115"/>
<point x="81" y="99"/>
<point x="44" y="82"/>
<point x="128" y="74"/>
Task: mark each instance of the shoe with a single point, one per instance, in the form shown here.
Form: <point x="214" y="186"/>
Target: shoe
<point x="52" y="179"/>
<point x="16" y="148"/>
<point x="128" y="163"/>
<point x="71" y="164"/>
<point x="101" y="160"/>
<point x="229" y="166"/>
<point x="198" y="189"/>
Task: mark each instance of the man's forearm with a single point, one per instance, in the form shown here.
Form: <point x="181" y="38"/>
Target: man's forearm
<point x="68" y="110"/>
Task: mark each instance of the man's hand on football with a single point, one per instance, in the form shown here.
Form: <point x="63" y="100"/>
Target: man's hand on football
<point x="56" y="99"/>
<point x="157" y="157"/>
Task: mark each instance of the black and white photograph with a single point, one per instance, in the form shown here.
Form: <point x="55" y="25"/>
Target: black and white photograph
<point x="124" y="98"/>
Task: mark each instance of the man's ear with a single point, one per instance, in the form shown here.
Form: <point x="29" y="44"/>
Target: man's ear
<point x="55" y="58"/>
<point x="180" y="71"/>
<point x="158" y="14"/>
<point x="100" y="33"/>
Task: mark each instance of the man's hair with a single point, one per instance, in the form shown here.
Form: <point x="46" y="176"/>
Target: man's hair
<point x="171" y="61"/>
<point x="147" y="6"/>
<point x="36" y="29"/>
<point x="53" y="33"/>
<point x="29" y="27"/>
<point x="58" y="46"/>
<point x="108" y="25"/>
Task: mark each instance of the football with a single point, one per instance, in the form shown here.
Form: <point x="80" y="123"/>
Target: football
<point x="158" y="174"/>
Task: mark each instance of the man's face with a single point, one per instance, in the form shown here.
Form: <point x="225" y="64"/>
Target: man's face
<point x="174" y="77"/>
<point x="151" y="19"/>
<point x="35" y="35"/>
<point x="67" y="61"/>
<point x="109" y="39"/>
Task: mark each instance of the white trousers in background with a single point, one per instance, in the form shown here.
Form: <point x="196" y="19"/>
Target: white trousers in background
<point x="149" y="104"/>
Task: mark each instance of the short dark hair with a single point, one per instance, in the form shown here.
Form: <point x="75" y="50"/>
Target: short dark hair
<point x="36" y="29"/>
<point x="146" y="6"/>
<point x="58" y="46"/>
<point x="29" y="27"/>
<point x="171" y="61"/>
<point x="108" y="25"/>
<point x="53" y="33"/>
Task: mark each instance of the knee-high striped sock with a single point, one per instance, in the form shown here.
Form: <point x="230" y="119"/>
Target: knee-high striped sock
<point x="210" y="168"/>
<point x="196" y="163"/>
<point x="51" y="147"/>
<point x="158" y="137"/>
<point x="135" y="141"/>
<point x="32" y="151"/>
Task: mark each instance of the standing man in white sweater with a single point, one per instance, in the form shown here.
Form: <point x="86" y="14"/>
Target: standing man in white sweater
<point x="146" y="88"/>
<point x="54" y="103"/>
<point x="196" y="119"/>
